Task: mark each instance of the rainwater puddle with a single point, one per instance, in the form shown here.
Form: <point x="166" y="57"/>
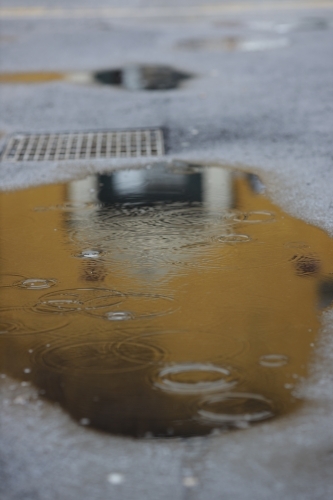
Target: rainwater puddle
<point x="233" y="44"/>
<point x="167" y="301"/>
<point x="131" y="77"/>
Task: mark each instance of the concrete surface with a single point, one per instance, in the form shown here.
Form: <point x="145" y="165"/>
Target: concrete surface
<point x="267" y="110"/>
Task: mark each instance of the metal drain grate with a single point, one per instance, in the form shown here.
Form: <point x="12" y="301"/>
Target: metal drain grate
<point x="84" y="146"/>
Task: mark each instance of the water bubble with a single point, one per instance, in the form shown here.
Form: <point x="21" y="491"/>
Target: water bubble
<point x="89" y="254"/>
<point x="36" y="283"/>
<point x="119" y="316"/>
<point x="273" y="360"/>
<point x="194" y="378"/>
<point x="234" y="408"/>
<point x="254" y="217"/>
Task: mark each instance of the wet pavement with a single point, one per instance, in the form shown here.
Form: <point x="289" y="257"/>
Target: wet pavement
<point x="180" y="301"/>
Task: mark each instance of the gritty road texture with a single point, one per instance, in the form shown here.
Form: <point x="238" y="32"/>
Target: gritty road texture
<point x="267" y="110"/>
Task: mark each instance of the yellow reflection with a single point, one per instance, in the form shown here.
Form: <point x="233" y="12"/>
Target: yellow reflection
<point x="170" y="318"/>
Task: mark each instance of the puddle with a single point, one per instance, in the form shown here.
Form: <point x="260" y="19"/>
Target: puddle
<point x="143" y="77"/>
<point x="233" y="44"/>
<point x="131" y="77"/>
<point x="168" y="301"/>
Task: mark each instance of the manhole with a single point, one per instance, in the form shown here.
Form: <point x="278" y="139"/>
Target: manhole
<point x="83" y="146"/>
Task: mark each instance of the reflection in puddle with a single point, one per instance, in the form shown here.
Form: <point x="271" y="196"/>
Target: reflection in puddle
<point x="131" y="77"/>
<point x="182" y="299"/>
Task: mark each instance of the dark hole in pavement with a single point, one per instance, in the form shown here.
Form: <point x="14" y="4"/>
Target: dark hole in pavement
<point x="158" y="302"/>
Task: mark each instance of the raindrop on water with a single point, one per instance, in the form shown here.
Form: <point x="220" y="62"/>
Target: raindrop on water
<point x="195" y="374"/>
<point x="89" y="254"/>
<point x="273" y="360"/>
<point x="119" y="316"/>
<point x="234" y="408"/>
<point x="254" y="217"/>
<point x="234" y="238"/>
<point x="37" y="283"/>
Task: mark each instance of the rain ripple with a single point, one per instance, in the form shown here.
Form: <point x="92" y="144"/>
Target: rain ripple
<point x="221" y="378"/>
<point x="98" y="356"/>
<point x="235" y="408"/>
<point x="273" y="360"/>
<point x="254" y="217"/>
<point x="36" y="283"/>
<point x="104" y="303"/>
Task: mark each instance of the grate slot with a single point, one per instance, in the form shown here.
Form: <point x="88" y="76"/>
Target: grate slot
<point x="83" y="146"/>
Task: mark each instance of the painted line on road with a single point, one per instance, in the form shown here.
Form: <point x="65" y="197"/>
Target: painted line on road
<point x="157" y="12"/>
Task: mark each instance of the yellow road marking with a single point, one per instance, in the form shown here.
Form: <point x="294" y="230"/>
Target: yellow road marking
<point x="158" y="12"/>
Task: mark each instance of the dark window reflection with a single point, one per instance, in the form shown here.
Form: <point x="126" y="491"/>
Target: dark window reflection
<point x="149" y="186"/>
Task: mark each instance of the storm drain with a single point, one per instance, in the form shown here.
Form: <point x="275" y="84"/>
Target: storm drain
<point x="83" y="146"/>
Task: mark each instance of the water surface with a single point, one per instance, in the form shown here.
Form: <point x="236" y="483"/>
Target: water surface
<point x="161" y="301"/>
